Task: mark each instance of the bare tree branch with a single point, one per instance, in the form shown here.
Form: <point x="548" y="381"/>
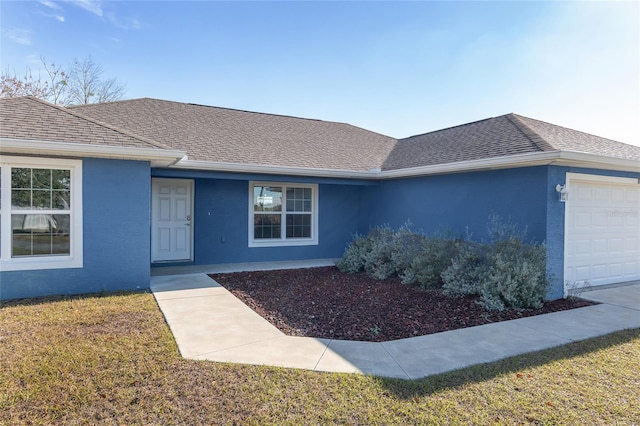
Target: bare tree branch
<point x="82" y="83"/>
<point x="87" y="86"/>
<point x="57" y="82"/>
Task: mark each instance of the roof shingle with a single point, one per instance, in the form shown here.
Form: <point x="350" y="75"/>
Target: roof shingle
<point x="508" y="134"/>
<point x="234" y="136"/>
<point x="33" y="119"/>
<point x="222" y="135"/>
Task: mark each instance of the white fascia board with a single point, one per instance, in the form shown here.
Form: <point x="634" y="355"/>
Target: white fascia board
<point x="157" y="156"/>
<point x="272" y="170"/>
<point x="557" y="157"/>
<point x="581" y="159"/>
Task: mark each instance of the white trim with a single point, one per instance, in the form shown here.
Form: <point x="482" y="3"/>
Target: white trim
<point x="75" y="258"/>
<point x="158" y="157"/>
<point x="271" y="170"/>
<point x="557" y="157"/>
<point x="566" y="158"/>
<point x="600" y="178"/>
<point x="283" y="242"/>
<point x="571" y="177"/>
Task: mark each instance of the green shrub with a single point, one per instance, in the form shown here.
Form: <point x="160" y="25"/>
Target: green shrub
<point x="364" y="251"/>
<point x="383" y="252"/>
<point x="517" y="277"/>
<point x="378" y="262"/>
<point x="429" y="262"/>
<point x="468" y="269"/>
<point x="407" y="245"/>
<point x="355" y="255"/>
<point x="507" y="273"/>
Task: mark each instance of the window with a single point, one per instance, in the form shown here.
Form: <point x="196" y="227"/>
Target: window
<point x="283" y="214"/>
<point x="40" y="213"/>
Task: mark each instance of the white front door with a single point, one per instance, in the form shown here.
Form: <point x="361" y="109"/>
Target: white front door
<point x="171" y="219"/>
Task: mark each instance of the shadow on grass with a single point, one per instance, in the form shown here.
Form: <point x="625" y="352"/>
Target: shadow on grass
<point x="408" y="389"/>
<point x="66" y="297"/>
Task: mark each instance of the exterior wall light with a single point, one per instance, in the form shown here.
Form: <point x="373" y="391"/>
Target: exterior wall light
<point x="563" y="191"/>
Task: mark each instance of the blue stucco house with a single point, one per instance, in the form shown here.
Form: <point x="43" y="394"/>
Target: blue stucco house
<point x="94" y="196"/>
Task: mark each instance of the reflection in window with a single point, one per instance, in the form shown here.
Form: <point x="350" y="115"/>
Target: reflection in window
<point x="41" y="212"/>
<point x="283" y="213"/>
<point x="40" y="234"/>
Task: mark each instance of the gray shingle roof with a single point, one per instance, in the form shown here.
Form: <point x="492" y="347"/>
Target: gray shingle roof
<point x="234" y="136"/>
<point x="508" y="134"/>
<point x="565" y="139"/>
<point x="29" y="118"/>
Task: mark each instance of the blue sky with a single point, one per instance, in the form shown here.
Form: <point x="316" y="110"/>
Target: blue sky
<point x="398" y="68"/>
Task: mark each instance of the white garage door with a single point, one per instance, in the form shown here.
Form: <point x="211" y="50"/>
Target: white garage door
<point x="602" y="233"/>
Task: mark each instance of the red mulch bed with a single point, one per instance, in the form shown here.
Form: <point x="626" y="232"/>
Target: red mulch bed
<point x="326" y="303"/>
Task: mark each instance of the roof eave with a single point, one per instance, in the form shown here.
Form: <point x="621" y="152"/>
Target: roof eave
<point x="556" y="157"/>
<point x="274" y="170"/>
<point x="157" y="156"/>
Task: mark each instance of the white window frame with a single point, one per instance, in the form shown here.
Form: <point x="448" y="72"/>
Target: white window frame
<point x="27" y="263"/>
<point x="283" y="241"/>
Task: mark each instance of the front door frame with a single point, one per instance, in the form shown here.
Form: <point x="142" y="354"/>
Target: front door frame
<point x="191" y="188"/>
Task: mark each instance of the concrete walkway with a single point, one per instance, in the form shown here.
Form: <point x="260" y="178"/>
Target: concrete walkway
<point x="209" y="323"/>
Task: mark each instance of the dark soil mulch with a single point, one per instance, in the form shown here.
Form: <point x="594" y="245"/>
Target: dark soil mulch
<point x="326" y="303"/>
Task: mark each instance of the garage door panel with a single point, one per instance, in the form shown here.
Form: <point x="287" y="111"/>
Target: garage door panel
<point x="616" y="270"/>
<point x="632" y="245"/>
<point x="600" y="246"/>
<point x="615" y="245"/>
<point x="602" y="235"/>
<point x="582" y="247"/>
<point x="631" y="267"/>
<point x="618" y="195"/>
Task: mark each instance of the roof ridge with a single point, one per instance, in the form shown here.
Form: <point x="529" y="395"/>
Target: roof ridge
<point x="99" y="123"/>
<point x="541" y="143"/>
<point x="520" y="117"/>
<point x="203" y="106"/>
<point x="235" y="110"/>
<point x="258" y="112"/>
<point x="81" y="106"/>
<point x="451" y="127"/>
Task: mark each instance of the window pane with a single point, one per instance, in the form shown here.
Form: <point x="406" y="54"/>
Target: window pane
<point x="61" y="200"/>
<point x="267" y="199"/>
<point x="21" y="178"/>
<point x="41" y="178"/>
<point x="40" y="234"/>
<point x="41" y="199"/>
<point x="21" y="199"/>
<point x="266" y="226"/>
<point x="40" y="189"/>
<point x="298" y="226"/>
<point x="61" y="179"/>
<point x="299" y="199"/>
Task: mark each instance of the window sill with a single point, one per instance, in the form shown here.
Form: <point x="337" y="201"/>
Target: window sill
<point x="284" y="243"/>
<point x="33" y="264"/>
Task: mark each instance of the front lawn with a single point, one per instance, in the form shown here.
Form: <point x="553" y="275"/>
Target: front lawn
<point x="112" y="360"/>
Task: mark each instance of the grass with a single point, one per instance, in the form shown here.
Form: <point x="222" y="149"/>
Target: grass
<point x="112" y="360"/>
